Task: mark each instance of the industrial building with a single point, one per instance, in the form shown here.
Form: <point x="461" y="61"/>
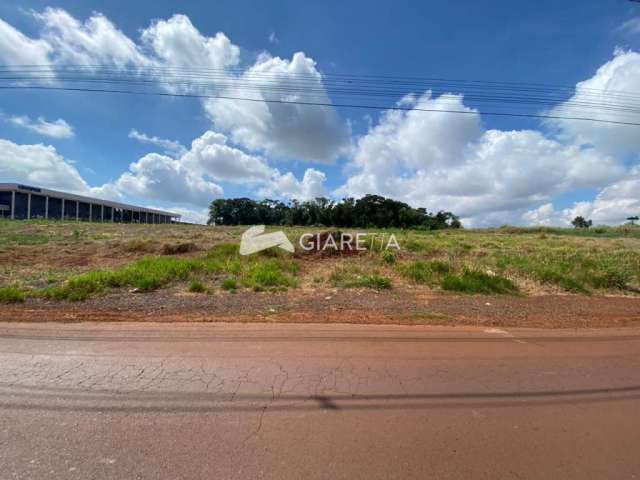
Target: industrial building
<point x="26" y="202"/>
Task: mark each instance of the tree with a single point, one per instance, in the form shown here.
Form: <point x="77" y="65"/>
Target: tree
<point x="633" y="219"/>
<point x="581" y="222"/>
<point x="368" y="211"/>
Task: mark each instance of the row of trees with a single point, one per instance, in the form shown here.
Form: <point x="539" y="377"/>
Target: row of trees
<point x="581" y="222"/>
<point x="368" y="211"/>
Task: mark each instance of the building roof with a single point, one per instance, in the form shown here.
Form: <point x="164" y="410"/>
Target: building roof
<point x="80" y="198"/>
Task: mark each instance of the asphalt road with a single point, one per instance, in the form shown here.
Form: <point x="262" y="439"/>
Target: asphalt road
<point x="90" y="401"/>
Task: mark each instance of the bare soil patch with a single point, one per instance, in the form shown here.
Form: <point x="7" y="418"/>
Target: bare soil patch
<point x="338" y="306"/>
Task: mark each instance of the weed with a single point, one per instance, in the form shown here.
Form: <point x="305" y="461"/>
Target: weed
<point x="174" y="249"/>
<point x="424" y="272"/>
<point x="474" y="281"/>
<point x="268" y="273"/>
<point x="353" y="278"/>
<point x="196" y="286"/>
<point x="23" y="239"/>
<point x="11" y="294"/>
<point x="229" y="284"/>
<point x="388" y="257"/>
<point x="376" y="282"/>
<point x="224" y="251"/>
<point x="418" y="271"/>
<point x="137" y="245"/>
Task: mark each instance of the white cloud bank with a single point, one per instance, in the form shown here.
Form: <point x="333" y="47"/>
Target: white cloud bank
<point x="446" y="161"/>
<point x="189" y="181"/>
<point x="612" y="205"/>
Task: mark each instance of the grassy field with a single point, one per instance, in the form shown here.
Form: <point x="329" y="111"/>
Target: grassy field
<point x="73" y="261"/>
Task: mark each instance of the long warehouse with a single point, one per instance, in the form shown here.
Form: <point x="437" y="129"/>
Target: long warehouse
<point x="26" y="202"/>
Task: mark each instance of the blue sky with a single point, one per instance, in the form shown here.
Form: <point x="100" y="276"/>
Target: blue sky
<point x="401" y="155"/>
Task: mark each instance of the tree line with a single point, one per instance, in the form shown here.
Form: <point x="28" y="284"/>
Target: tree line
<point x="368" y="211"/>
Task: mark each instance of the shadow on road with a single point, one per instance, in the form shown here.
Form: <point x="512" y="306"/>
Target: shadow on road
<point x="60" y="399"/>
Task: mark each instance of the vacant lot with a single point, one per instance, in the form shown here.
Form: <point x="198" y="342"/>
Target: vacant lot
<point x="146" y="267"/>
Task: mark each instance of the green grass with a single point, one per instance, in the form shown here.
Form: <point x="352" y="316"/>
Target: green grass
<point x="230" y="284"/>
<point x="575" y="270"/>
<point x="354" y="278"/>
<point x="196" y="286"/>
<point x="424" y="272"/>
<point x="151" y="273"/>
<point x="473" y="281"/>
<point x="389" y="256"/>
<point x="270" y="273"/>
<point x="11" y="295"/>
<point x="587" y="261"/>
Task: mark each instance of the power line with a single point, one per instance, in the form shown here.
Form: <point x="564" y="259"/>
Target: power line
<point x="319" y="104"/>
<point x="323" y="76"/>
<point x="315" y="89"/>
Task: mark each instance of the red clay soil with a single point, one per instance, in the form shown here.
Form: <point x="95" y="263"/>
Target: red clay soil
<point x="339" y="306"/>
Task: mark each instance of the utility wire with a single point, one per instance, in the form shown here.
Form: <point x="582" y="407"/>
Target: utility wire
<point x="301" y="79"/>
<point x="324" y="76"/>
<point x="319" y="104"/>
<point x="319" y="94"/>
<point x="314" y="89"/>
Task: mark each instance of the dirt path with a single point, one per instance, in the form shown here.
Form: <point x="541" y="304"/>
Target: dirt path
<point x="340" y="306"/>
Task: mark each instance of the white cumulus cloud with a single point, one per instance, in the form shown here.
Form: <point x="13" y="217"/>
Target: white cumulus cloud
<point x="446" y="161"/>
<point x="39" y="165"/>
<point x="284" y="130"/>
<point x="312" y="133"/>
<point x="177" y="42"/>
<point x="615" y="82"/>
<point x="612" y="205"/>
<point x="57" y="129"/>
<point x="287" y="185"/>
<point x="170" y="147"/>
<point x="194" y="177"/>
<point x="18" y="49"/>
<point x="95" y="41"/>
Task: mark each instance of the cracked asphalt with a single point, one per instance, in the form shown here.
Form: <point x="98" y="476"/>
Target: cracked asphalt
<point x="199" y="401"/>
